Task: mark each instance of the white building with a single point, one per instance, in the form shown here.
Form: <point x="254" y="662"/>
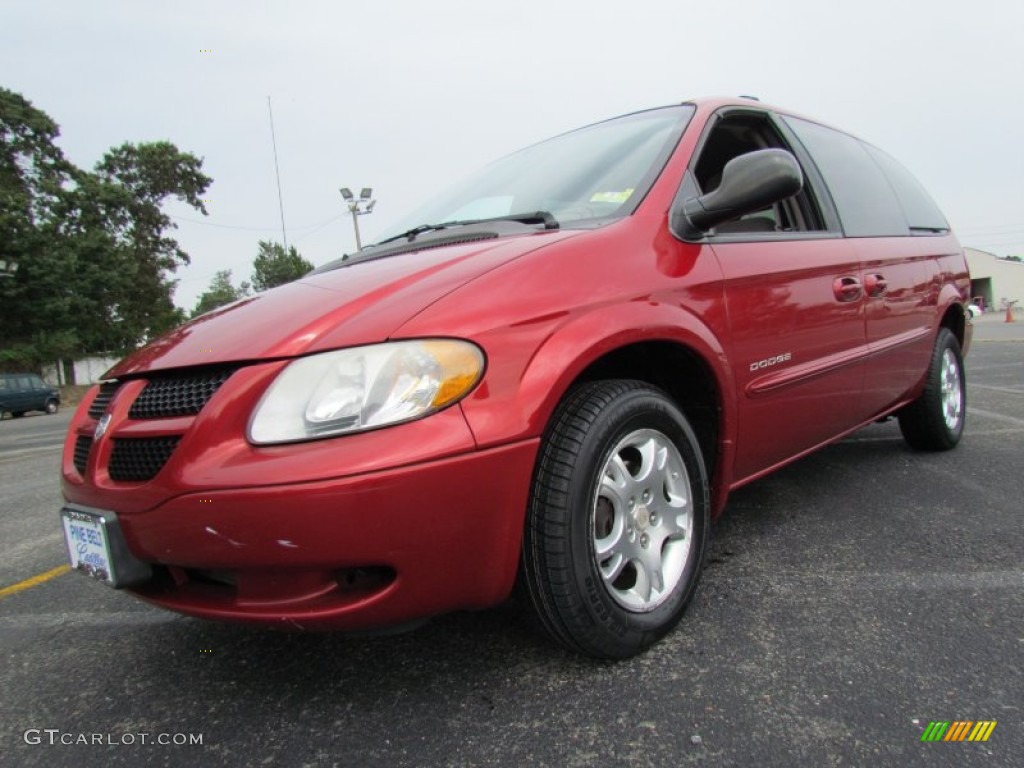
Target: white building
<point x="995" y="281"/>
<point x="87" y="371"/>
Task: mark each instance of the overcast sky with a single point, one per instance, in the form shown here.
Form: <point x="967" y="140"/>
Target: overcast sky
<point x="408" y="97"/>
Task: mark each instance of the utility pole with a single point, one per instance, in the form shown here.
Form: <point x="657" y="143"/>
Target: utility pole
<point x="358" y="207"/>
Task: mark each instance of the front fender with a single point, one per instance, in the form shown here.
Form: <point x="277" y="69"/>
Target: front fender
<point x="518" y="399"/>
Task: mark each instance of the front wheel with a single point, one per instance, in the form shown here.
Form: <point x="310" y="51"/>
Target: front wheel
<point x="618" y="520"/>
<point x="51" y="406"/>
<point x="935" y="421"/>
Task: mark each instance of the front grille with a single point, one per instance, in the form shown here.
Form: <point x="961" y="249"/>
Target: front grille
<point x="183" y="395"/>
<point x="99" y="406"/>
<point x="82" y="447"/>
<point x="135" y="459"/>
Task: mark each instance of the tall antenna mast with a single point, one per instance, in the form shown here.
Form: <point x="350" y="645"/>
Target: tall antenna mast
<point x="280" y="203"/>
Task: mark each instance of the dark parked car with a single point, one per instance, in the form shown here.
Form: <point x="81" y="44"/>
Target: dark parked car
<point x="23" y="392"/>
<point x="552" y="375"/>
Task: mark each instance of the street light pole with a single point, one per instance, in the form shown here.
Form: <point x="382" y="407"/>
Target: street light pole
<point x="354" y="208"/>
<point x="358" y="207"/>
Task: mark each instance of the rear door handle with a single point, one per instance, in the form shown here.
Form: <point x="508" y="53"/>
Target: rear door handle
<point x="875" y="285"/>
<point x="847" y="288"/>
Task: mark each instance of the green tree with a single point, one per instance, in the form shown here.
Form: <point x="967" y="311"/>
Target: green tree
<point x="273" y="266"/>
<point x="93" y="249"/>
<point x="33" y="172"/>
<point x="221" y="291"/>
<point x="138" y="179"/>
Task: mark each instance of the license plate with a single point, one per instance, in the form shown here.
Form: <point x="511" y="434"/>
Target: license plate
<point x="96" y="546"/>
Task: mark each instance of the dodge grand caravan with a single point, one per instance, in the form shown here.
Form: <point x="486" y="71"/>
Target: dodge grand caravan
<point x="549" y="378"/>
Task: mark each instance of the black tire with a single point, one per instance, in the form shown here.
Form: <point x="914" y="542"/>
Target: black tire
<point x="601" y="432"/>
<point x="935" y="420"/>
<point x="17" y="414"/>
<point x="51" y="406"/>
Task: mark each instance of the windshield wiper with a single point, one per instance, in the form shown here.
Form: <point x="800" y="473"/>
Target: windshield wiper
<point x="535" y="217"/>
<point x="410" y="234"/>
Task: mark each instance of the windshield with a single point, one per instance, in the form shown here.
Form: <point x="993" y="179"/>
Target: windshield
<point x="599" y="172"/>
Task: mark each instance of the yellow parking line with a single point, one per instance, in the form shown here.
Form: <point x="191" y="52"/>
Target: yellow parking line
<point x="51" y="574"/>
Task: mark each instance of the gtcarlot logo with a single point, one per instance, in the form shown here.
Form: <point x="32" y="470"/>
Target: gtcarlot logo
<point x="55" y="736"/>
<point x="958" y="730"/>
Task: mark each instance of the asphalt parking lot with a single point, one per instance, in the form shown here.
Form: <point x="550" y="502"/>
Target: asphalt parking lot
<point x="849" y="600"/>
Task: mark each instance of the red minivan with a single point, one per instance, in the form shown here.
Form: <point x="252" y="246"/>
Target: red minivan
<point x="548" y="378"/>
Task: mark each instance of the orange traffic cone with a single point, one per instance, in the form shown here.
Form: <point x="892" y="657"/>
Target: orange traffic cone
<point x="1009" y="313"/>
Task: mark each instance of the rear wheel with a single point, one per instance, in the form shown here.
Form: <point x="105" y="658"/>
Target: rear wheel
<point x="618" y="520"/>
<point x="935" y="421"/>
<point x="51" y="406"/>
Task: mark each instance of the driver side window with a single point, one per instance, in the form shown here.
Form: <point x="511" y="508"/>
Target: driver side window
<point x="737" y="134"/>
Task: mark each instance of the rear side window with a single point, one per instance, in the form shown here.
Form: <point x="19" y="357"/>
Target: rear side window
<point x="923" y="215"/>
<point x="867" y="204"/>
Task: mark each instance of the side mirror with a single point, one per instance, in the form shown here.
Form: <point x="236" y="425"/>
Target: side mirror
<point x="750" y="182"/>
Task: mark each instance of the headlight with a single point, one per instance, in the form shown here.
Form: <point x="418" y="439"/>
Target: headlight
<point x="351" y="390"/>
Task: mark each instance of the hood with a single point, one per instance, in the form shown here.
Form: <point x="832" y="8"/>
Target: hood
<point x="362" y="303"/>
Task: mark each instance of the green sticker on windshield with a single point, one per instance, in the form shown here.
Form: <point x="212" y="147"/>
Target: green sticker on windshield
<point x="612" y="197"/>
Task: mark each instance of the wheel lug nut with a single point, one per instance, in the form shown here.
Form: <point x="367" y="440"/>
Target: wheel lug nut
<point x="632" y="503"/>
<point x="644" y="541"/>
<point x="654" y="519"/>
<point x="647" y="496"/>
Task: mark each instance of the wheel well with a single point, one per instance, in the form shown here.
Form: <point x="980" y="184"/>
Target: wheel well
<point x="955" y="321"/>
<point x="681" y="374"/>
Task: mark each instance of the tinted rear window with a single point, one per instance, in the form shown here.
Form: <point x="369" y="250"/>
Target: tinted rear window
<point x="921" y="211"/>
<point x="867" y="204"/>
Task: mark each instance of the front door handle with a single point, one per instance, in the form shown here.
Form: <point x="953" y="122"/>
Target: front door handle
<point x="875" y="285"/>
<point x="847" y="288"/>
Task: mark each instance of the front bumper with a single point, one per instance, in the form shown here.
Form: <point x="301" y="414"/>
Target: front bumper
<point x="369" y="551"/>
<point x="355" y="532"/>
